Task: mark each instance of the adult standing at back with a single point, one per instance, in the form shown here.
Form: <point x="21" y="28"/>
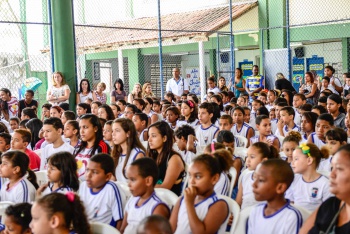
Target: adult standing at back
<point x="118" y="93"/>
<point x="282" y="83"/>
<point x="177" y="85"/>
<point x="254" y="83"/>
<point x="85" y="92"/>
<point x="59" y="91"/>
<point x="334" y="82"/>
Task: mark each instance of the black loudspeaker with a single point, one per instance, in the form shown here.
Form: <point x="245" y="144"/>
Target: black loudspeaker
<point x="299" y="52"/>
<point x="224" y="57"/>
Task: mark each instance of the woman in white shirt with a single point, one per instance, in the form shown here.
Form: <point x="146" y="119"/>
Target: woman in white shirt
<point x="59" y="92"/>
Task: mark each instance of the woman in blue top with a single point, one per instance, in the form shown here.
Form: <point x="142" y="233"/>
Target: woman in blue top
<point x="239" y="82"/>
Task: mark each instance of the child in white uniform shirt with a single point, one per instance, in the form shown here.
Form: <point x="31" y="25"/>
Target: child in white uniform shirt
<point x="143" y="176"/>
<point x="184" y="137"/>
<point x="19" y="188"/>
<point x="309" y="189"/>
<point x="257" y="153"/>
<point x="277" y="215"/>
<point x="206" y="131"/>
<point x="102" y="199"/>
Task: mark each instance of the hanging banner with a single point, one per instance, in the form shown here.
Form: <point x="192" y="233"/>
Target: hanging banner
<point x="298" y="72"/>
<point x="316" y="64"/>
<point x="246" y="67"/>
<point x="192" y="75"/>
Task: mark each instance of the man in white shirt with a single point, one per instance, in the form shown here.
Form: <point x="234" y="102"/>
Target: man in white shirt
<point x="177" y="85"/>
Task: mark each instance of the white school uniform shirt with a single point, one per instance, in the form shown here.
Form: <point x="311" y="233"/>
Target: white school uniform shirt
<point x="325" y="165"/>
<point x="317" y="141"/>
<point x="223" y="185"/>
<point x="248" y="198"/>
<point x="296" y="128"/>
<point x="49" y="150"/>
<point x="274" y="125"/>
<point x="308" y="194"/>
<point x="268" y="107"/>
<point x="22" y="191"/>
<point x="119" y="169"/>
<point x="137" y="213"/>
<point x="215" y="90"/>
<point x="187" y="156"/>
<point x="303" y="138"/>
<point x="243" y="131"/>
<point x="63" y="190"/>
<point x="269" y="137"/>
<point x="206" y="135"/>
<point x="183" y="226"/>
<point x="178" y="124"/>
<point x="82" y="158"/>
<point x="141" y="135"/>
<point x="336" y="81"/>
<point x="105" y="206"/>
<point x="193" y="124"/>
<point x="297" y="117"/>
<point x="286" y="220"/>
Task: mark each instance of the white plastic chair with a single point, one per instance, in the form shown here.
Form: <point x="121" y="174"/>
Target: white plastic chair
<point x="167" y="196"/>
<point x="280" y="138"/>
<point x="241" y="152"/>
<point x="102" y="228"/>
<point x="242" y="220"/>
<point x="324" y="173"/>
<point x="145" y="144"/>
<point x="41" y="177"/>
<point x="123" y="186"/>
<point x="233" y="174"/>
<point x="233" y="209"/>
<point x="242" y="174"/>
<point x="241" y="141"/>
<point x="304" y="212"/>
<point x="38" y="152"/>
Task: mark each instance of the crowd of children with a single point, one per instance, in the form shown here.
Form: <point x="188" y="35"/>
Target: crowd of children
<point x="179" y="144"/>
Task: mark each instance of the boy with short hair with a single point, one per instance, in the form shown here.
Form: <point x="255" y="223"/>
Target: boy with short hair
<point x="143" y="175"/>
<point x="271" y="180"/>
<point x="45" y="111"/>
<point x="5" y="142"/>
<point x="225" y="122"/>
<point x="322" y="101"/>
<point x="286" y="122"/>
<point x="298" y="100"/>
<point x="21" y="138"/>
<point x="102" y="199"/>
<point x="53" y="129"/>
<point x="325" y="84"/>
<point x="256" y="104"/>
<point x="278" y="106"/>
<point x="206" y="131"/>
<point x="184" y="136"/>
<point x="141" y="122"/>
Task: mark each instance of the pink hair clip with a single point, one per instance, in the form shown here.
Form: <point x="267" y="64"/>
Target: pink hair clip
<point x="190" y="103"/>
<point x="70" y="196"/>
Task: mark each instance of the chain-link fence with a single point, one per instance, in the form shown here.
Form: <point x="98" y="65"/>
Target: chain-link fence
<point x="120" y="39"/>
<point x="24" y="32"/>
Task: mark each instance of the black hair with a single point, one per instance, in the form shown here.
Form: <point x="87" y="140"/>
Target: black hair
<point x="20" y="214"/>
<point x="21" y="124"/>
<point x="134" y="108"/>
<point x="260" y="118"/>
<point x="219" y="99"/>
<point x="64" y="106"/>
<point x="122" y="101"/>
<point x="268" y="151"/>
<point x="141" y="102"/>
<point x="194" y="97"/>
<point x="225" y="136"/>
<point x="194" y="113"/>
<point x="241" y="109"/>
<point x="34" y="126"/>
<point x="70" y="115"/>
<point x="7" y="137"/>
<point x="327" y="117"/>
<point x="212" y="164"/>
<point x="147" y="167"/>
<point x="263" y="110"/>
<point x="142" y="117"/>
<point x="311" y="117"/>
<point x="15" y="119"/>
<point x="216" y="113"/>
<point x="306" y="107"/>
<point x="30" y="91"/>
<point x="106" y="162"/>
<point x="326" y="78"/>
<point x="208" y="106"/>
<point x="330" y="68"/>
<point x="73" y="212"/>
<point x="120" y="81"/>
<point x="280" y="100"/>
<point x="320" y="108"/>
<point x="75" y="125"/>
<point x="7" y="91"/>
<point x="162" y="224"/>
<point x="337" y="99"/>
<point x="171" y="95"/>
<point x="184" y="131"/>
<point x="81" y="84"/>
<point x="322" y="99"/>
<point x="30" y="112"/>
<point x="55" y="122"/>
<point x="66" y="164"/>
<point x="258" y="101"/>
<point x="85" y="106"/>
<point x="337" y="134"/>
<point x="47" y="106"/>
<point x="21" y="160"/>
<point x="289" y="110"/>
<point x="109" y="111"/>
<point x="281" y="171"/>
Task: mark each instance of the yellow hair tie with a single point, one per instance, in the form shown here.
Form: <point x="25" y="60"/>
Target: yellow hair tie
<point x="305" y="149"/>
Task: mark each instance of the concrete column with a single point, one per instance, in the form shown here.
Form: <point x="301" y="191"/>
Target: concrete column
<point x="202" y="69"/>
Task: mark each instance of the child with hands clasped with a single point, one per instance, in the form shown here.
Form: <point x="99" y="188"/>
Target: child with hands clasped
<point x="59" y="213"/>
<point x="286" y="122"/>
<point x="61" y="172"/>
<point x="309" y="189"/>
<point x="200" y="210"/>
<point x="142" y="177"/>
<point x="271" y="179"/>
<point x="257" y="153"/>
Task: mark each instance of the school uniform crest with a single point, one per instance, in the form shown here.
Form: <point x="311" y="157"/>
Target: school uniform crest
<point x="314" y="192"/>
